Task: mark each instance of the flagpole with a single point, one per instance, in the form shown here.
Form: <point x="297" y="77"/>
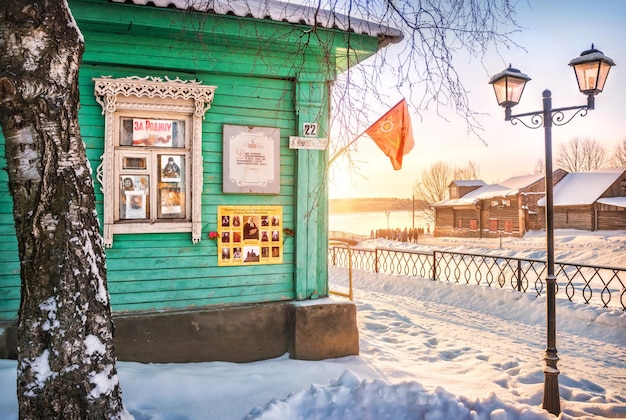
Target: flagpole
<point x="343" y="149"/>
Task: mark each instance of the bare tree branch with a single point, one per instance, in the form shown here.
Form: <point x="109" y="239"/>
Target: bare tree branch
<point x="581" y="155"/>
<point x="432" y="187"/>
<point x="619" y="154"/>
<point x="420" y="69"/>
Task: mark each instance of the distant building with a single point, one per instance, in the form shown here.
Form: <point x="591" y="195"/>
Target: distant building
<point x="594" y="200"/>
<point x="480" y="210"/>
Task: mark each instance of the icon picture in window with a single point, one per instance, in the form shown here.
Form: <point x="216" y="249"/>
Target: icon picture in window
<point x="135" y="205"/>
<point x="171" y="200"/>
<point x="170" y="168"/>
<point x="134" y="196"/>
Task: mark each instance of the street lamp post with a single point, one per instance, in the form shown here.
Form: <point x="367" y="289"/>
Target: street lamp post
<point x="500" y="204"/>
<point x="387" y="213"/>
<point x="591" y="68"/>
<point x="500" y="222"/>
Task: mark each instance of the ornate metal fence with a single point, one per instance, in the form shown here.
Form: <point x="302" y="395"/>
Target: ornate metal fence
<point x="580" y="283"/>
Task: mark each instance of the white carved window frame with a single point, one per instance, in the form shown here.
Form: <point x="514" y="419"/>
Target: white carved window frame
<point x="187" y="98"/>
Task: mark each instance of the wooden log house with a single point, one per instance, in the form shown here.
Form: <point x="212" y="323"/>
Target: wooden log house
<point x="594" y="200"/>
<point x="205" y="129"/>
<point x="479" y="210"/>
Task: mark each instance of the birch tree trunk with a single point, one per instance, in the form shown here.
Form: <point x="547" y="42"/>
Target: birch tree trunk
<point x="66" y="361"/>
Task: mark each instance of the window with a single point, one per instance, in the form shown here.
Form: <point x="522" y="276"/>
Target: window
<point x="508" y="226"/>
<point x="151" y="171"/>
<point x="459" y="223"/>
<point x="150" y="163"/>
<point x="473" y="224"/>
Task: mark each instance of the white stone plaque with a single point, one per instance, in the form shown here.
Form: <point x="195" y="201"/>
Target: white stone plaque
<point x="251" y="160"/>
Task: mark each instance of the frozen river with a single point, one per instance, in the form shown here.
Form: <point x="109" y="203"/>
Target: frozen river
<point x="364" y="222"/>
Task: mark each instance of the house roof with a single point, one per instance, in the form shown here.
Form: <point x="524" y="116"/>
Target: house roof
<point x="506" y="188"/>
<point x="614" y="201"/>
<point x="469" y="182"/>
<point x="483" y="193"/>
<point x="519" y="182"/>
<point x="282" y="12"/>
<point x="583" y="188"/>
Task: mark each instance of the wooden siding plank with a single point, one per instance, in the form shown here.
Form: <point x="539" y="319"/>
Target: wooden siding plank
<point x="201" y="303"/>
<point x="161" y="299"/>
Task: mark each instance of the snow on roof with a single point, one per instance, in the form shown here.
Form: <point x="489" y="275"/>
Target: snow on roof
<point x="583" y="188"/>
<point x="614" y="201"/>
<point x="507" y="188"/>
<point x="519" y="182"/>
<point x="281" y="12"/>
<point x="469" y="182"/>
<point x="483" y="193"/>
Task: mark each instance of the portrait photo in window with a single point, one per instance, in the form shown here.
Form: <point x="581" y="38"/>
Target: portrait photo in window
<point x="171" y="167"/>
<point x="135" y="205"/>
<point x="134" y="196"/>
<point x="171" y="201"/>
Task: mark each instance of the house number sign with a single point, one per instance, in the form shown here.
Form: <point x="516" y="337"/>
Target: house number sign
<point x="309" y="140"/>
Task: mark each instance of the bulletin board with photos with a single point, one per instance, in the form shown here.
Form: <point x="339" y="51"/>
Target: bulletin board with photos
<point x="249" y="235"/>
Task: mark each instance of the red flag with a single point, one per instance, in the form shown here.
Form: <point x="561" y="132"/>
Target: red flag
<point x="393" y="133"/>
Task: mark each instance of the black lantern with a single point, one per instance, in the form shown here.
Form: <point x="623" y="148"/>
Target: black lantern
<point x="591" y="68"/>
<point x="508" y="86"/>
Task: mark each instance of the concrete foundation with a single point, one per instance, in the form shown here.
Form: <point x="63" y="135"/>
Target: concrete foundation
<point x="310" y="330"/>
<point x="323" y="330"/>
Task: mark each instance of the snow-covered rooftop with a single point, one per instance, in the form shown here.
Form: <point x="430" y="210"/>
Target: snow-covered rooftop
<point x="483" y="193"/>
<point x="281" y="12"/>
<point x="519" y="182"/>
<point x="507" y="188"/>
<point x="583" y="188"/>
<point x="469" y="182"/>
<point x="614" y="201"/>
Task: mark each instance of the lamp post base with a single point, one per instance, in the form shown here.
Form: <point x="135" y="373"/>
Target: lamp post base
<point x="551" y="396"/>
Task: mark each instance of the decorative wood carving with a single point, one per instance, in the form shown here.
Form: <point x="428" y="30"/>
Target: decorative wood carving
<point x="150" y="93"/>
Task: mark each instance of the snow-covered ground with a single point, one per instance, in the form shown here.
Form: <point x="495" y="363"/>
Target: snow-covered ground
<point x="429" y="350"/>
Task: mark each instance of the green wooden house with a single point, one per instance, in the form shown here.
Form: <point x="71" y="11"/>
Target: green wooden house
<point x="203" y="123"/>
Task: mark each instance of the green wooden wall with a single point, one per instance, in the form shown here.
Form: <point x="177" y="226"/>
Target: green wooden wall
<point x="264" y="77"/>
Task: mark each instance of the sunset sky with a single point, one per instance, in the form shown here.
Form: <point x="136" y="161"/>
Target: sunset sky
<point x="554" y="33"/>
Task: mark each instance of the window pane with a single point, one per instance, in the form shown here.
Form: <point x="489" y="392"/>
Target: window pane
<point x="134" y="197"/>
<point x="172" y="203"/>
<point x="134" y="162"/>
<point x="170" y="168"/>
<point x="145" y="132"/>
<point x="172" y="193"/>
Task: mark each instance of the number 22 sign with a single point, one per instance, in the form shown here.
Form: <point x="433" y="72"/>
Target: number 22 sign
<point x="309" y="129"/>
